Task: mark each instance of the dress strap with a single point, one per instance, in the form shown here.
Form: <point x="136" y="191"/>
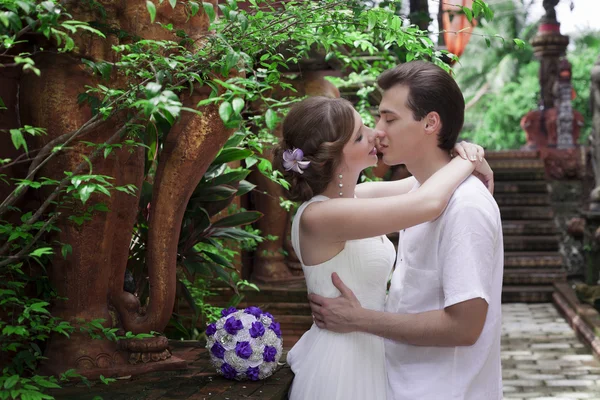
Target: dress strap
<point x="296" y="224"/>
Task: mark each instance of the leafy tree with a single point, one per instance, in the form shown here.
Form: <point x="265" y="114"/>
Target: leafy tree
<point x="260" y="42"/>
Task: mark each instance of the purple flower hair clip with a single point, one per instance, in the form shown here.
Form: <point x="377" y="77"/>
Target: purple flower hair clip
<point x="292" y="160"/>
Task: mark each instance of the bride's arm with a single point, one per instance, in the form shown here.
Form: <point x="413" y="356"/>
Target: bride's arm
<point x="468" y="151"/>
<point x="338" y="220"/>
<point x="384" y="188"/>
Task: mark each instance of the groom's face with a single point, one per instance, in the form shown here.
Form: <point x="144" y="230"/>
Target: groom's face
<point x="402" y="138"/>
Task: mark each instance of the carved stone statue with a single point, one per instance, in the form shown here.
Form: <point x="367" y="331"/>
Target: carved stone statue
<point x="595" y="136"/>
<point x="550" y="15"/>
<point x="92" y="277"/>
<point x="555" y="131"/>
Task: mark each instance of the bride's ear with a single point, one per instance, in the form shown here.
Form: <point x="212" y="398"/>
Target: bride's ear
<point x="433" y="123"/>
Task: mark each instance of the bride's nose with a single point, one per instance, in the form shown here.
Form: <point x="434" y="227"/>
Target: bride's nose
<point x="376" y="135"/>
<point x="372" y="135"/>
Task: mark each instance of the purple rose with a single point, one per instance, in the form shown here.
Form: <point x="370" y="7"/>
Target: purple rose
<point x="232" y="325"/>
<point x="228" y="371"/>
<point x="252" y="373"/>
<point x="257" y="329"/>
<point x="243" y="350"/>
<point x="268" y="314"/>
<point x="275" y="327"/>
<point x="253" y="311"/>
<point x="269" y="353"/>
<point x="225" y="312"/>
<point x="211" y="329"/>
<point x="218" y="350"/>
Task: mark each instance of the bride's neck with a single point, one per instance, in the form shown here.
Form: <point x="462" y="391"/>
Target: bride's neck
<point x="348" y="182"/>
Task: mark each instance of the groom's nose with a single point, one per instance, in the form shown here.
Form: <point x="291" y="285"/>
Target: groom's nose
<point x="379" y="134"/>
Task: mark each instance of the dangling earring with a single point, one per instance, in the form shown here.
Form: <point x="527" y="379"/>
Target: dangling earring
<point x="341" y="185"/>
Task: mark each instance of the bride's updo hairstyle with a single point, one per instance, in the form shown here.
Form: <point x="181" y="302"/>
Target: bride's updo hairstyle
<point x="320" y="127"/>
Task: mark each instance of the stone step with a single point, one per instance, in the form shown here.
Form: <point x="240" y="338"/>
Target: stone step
<point x="531" y="243"/>
<point x="528" y="227"/>
<point x="534" y="276"/>
<point x="531" y="259"/>
<point x="527" y="294"/>
<point x="520" y="187"/>
<point x="526" y="213"/>
<point x="515" y="174"/>
<point x="511" y="154"/>
<point x="522" y="199"/>
<point x="528" y="163"/>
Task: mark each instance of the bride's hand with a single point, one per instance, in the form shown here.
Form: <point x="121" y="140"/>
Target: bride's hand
<point x="484" y="172"/>
<point x="475" y="153"/>
<point x="469" y="151"/>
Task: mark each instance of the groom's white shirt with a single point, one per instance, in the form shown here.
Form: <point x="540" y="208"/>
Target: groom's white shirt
<point x="455" y="258"/>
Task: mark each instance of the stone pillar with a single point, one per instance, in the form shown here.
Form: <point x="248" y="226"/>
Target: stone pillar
<point x="548" y="46"/>
<point x="592" y="247"/>
<point x="595" y="136"/>
<point x="564" y="93"/>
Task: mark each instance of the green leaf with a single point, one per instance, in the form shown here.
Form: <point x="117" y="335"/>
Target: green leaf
<point x="238" y="105"/>
<point x="271" y="119"/>
<point x="243" y="22"/>
<point x="244" y="187"/>
<point x="41" y="252"/>
<point x="18" y="140"/>
<point x="232" y="154"/>
<point x="216" y="193"/>
<point x="225" y="110"/>
<point x="519" y="43"/>
<point x="151" y="9"/>
<point x="85" y="192"/>
<point x="10" y="382"/>
<point x="219" y="259"/>
<point x="24" y="6"/>
<point x="43" y="382"/>
<point x="194" y="8"/>
<point x="476" y="9"/>
<point x="488" y="43"/>
<point x="239" y="219"/>
<point x="468" y="13"/>
<point x="230" y="177"/>
<point x="209" y="9"/>
<point x="173" y="3"/>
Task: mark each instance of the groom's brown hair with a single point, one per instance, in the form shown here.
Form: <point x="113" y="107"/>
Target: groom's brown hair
<point x="430" y="88"/>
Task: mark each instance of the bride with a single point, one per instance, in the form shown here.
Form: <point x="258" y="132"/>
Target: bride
<point x="325" y="147"/>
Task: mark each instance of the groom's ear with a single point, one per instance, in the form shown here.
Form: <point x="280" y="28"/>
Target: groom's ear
<point x="433" y="123"/>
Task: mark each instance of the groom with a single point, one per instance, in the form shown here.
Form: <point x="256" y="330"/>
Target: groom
<point x="442" y="317"/>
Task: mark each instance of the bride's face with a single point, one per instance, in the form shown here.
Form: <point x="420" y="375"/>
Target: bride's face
<point x="360" y="152"/>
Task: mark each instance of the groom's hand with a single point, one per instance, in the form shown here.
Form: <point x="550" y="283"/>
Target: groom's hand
<point x="338" y="314"/>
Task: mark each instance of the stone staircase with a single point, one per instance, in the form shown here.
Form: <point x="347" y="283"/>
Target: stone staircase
<point x="532" y="261"/>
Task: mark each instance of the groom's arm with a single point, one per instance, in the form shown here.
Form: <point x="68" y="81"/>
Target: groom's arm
<point x="457" y="325"/>
<point x="466" y="263"/>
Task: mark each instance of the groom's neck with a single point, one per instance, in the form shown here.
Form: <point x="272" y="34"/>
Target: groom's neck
<point x="428" y="163"/>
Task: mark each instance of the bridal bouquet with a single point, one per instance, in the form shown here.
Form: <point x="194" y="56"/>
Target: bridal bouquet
<point x="244" y="344"/>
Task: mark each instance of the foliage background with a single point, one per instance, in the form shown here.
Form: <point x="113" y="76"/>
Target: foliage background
<point x="505" y="78"/>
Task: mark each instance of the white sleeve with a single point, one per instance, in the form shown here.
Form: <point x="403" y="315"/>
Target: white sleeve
<point x="467" y="249"/>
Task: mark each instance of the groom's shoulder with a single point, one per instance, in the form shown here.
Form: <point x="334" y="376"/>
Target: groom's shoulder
<point x="473" y="193"/>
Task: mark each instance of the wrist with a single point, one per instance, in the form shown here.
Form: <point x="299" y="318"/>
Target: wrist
<point x="357" y="320"/>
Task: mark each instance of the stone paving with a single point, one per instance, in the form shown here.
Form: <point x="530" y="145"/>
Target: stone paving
<point x="542" y="358"/>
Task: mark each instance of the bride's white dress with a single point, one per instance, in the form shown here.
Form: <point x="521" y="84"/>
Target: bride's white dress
<point x="344" y="366"/>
